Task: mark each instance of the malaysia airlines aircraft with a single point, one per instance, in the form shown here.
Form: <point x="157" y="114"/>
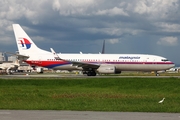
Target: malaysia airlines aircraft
<point x="89" y="64"/>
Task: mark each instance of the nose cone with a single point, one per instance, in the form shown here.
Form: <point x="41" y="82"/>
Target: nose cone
<point x="171" y="64"/>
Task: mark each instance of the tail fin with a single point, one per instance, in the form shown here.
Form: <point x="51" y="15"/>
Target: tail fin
<point x="24" y="43"/>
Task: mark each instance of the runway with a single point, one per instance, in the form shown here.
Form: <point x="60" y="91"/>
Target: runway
<point x="83" y="115"/>
<point x="35" y="75"/>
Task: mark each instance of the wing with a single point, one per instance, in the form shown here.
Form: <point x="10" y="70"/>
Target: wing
<point x="85" y="65"/>
<point x="75" y="63"/>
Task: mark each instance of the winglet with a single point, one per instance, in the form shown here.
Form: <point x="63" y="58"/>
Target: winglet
<point x="55" y="54"/>
<point x="103" y="48"/>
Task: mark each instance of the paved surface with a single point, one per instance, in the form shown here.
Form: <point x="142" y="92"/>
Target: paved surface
<point x="33" y="75"/>
<point x="83" y="115"/>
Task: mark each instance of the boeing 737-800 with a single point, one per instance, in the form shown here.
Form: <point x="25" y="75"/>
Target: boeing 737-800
<point x="89" y="64"/>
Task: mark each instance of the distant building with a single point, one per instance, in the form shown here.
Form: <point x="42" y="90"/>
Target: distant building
<point x="3" y="56"/>
<point x="12" y="58"/>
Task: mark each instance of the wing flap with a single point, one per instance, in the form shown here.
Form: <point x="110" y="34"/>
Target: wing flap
<point x="84" y="65"/>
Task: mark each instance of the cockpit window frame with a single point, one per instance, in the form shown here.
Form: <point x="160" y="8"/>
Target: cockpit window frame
<point x="164" y="60"/>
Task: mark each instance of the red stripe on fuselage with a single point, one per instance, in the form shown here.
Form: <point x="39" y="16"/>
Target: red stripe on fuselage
<point x="62" y="62"/>
<point x="47" y="63"/>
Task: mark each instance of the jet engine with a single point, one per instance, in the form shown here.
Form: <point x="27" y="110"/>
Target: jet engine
<point x="108" y="69"/>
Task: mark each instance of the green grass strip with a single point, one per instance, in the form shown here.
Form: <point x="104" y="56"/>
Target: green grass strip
<point x="91" y="94"/>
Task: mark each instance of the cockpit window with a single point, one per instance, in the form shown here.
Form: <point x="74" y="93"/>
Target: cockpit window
<point x="164" y="60"/>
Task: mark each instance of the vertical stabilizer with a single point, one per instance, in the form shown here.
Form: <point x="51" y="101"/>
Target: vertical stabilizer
<point x="24" y="43"/>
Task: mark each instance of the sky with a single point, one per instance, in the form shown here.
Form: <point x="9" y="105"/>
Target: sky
<point x="71" y="26"/>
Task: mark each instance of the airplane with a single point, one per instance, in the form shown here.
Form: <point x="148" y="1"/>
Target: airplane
<point x="173" y="70"/>
<point x="89" y="64"/>
<point x="9" y="66"/>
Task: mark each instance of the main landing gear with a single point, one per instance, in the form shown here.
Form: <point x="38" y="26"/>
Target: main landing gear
<point x="90" y="73"/>
<point x="157" y="74"/>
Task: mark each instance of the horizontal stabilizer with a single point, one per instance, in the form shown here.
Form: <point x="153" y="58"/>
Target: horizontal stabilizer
<point x="22" y="57"/>
<point x="19" y="57"/>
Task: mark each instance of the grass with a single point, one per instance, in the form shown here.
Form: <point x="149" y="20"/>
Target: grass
<point x="91" y="94"/>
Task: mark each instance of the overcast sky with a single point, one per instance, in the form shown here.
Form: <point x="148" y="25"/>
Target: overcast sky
<point x="70" y="26"/>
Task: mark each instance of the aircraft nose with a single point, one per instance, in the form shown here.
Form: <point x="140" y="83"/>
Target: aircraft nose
<point x="172" y="64"/>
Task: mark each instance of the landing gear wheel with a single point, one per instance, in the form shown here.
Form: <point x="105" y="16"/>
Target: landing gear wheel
<point x="91" y="73"/>
<point x="157" y="74"/>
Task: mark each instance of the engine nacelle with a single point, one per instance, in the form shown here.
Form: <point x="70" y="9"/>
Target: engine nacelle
<point x="108" y="69"/>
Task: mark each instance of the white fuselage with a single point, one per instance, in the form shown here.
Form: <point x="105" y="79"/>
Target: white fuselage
<point x="122" y="62"/>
